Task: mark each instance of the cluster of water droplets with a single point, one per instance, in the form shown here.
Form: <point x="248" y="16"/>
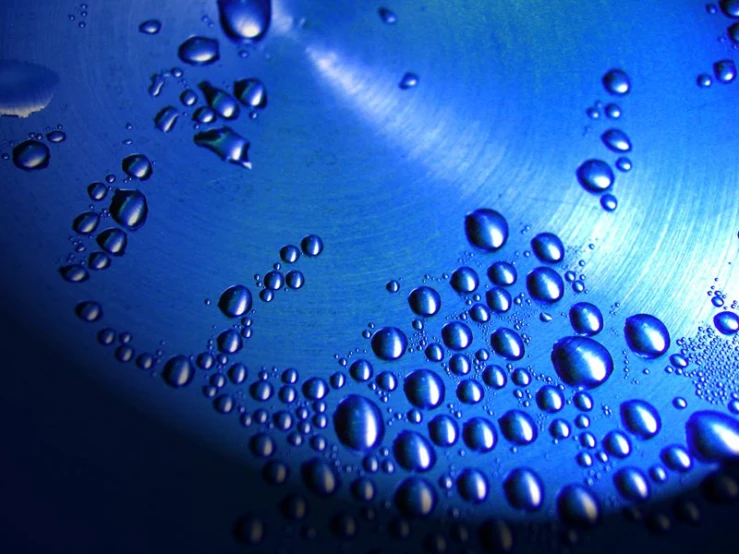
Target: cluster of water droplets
<point x="724" y="69"/>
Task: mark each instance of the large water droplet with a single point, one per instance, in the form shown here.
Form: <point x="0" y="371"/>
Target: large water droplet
<point x="595" y="175"/>
<point x="712" y="436"/>
<point x="443" y="431"/>
<point x="245" y="20"/>
<point x="358" y="423"/>
<point x="129" y="208"/>
<point x="424" y="389"/>
<point x="199" y="51"/>
<point x="235" y="301"/>
<point x="582" y="362"/>
<point x="473" y="485"/>
<point x="730" y="8"/>
<point x="178" y="372"/>
<point x="646" y="336"/>
<point x="524" y="489"/>
<point x="456" y="335"/>
<point x="424" y="301"/>
<point x="413" y="451"/>
<point x="545" y="284"/>
<point x="586" y="319"/>
<point x="640" y="418"/>
<point x="389" y="343"/>
<point x="548" y="248"/>
<point x="518" y="427"/>
<point x="727" y="323"/>
<point x="31" y="155"/>
<point x="577" y="506"/>
<point x="479" y="434"/>
<point x="507" y="344"/>
<point x="486" y="229"/>
<point x="227" y="144"/>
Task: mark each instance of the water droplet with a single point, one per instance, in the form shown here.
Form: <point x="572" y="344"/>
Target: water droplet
<point x="617" y="444"/>
<point x="724" y="71"/>
<point x="319" y="477"/>
<point x="486" y="229"/>
<point x="726" y="323"/>
<point x="443" y="431"/>
<point x="166" y="118"/>
<point x="97" y="191"/>
<point x="235" y="301"/>
<point x="646" y="336"/>
<point x="294" y="279"/>
<point x="415" y="497"/>
<point x="137" y="166"/>
<point x="312" y="245"/>
<point x="595" y="175"/>
<point x="227" y="144"/>
<point x="113" y="241"/>
<point x="582" y="362"/>
<point x="473" y="485"/>
<point x="578" y="507"/>
<point x="470" y="391"/>
<point x="712" y="436"/>
<point x="251" y="93"/>
<point x="424" y="389"/>
<point x="150" y="27"/>
<point x="608" y="202"/>
<point x="245" y="20"/>
<point x="507" y="344"/>
<point x="358" y="423"/>
<point x="524" y="489"/>
<point x="220" y="101"/>
<point x="56" y="136"/>
<point x="25" y="88"/>
<point x="262" y="445"/>
<point x="86" y="223"/>
<point x="586" y="319"/>
<point x="545" y="284"/>
<point x="549" y="399"/>
<point x="518" y="427"/>
<point x="129" y="209"/>
<point x="409" y="80"/>
<point x="361" y="370"/>
<point x="315" y="388"/>
<point x="502" y="274"/>
<point x="424" y="301"/>
<point x="616" y="140"/>
<point x="387" y="16"/>
<point x="640" y="418"/>
<point x="75" y="273"/>
<point x="616" y="82"/>
<point x="389" y="343"/>
<point x="479" y="434"/>
<point x="548" y="248"/>
<point x="229" y="341"/>
<point x="499" y="300"/>
<point x="632" y="484"/>
<point x="31" y="155"/>
<point x="456" y="335"/>
<point x="199" y="51"/>
<point x="178" y="372"/>
<point x="413" y="451"/>
<point x="676" y="458"/>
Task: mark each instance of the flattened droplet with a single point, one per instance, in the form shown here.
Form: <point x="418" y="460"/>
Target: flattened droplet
<point x="199" y="51"/>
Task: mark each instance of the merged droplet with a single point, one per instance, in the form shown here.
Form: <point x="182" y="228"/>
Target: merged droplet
<point x="646" y="336"/>
<point x="486" y="229"/>
<point x="389" y="343"/>
<point x="713" y="436"/>
<point x="251" y="93"/>
<point x="424" y="389"/>
<point x="199" y="51"/>
<point x="524" y="489"/>
<point x="245" y="20"/>
<point x="25" y="88"/>
<point x="582" y="362"/>
<point x="414" y="452"/>
<point x="129" y="208"/>
<point x="595" y="175"/>
<point x="227" y="144"/>
<point x="358" y="423"/>
<point x="640" y="418"/>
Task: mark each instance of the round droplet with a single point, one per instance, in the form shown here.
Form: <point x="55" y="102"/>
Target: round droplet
<point x="358" y="423"/>
<point x="443" y="431"/>
<point x="235" y="301"/>
<point x="424" y="389"/>
<point x="31" y="155"/>
<point x="389" y="343"/>
<point x="499" y="300"/>
<point x="518" y="427"/>
<point x="315" y="388"/>
<point x="724" y="71"/>
<point x="199" y="51"/>
<point x="549" y="399"/>
<point x="479" y="434"/>
<point x="595" y="175"/>
<point x="113" y="241"/>
<point x="646" y="336"/>
<point x="312" y="245"/>
<point x="129" y="209"/>
<point x="361" y="370"/>
<point x="582" y="362"/>
<point x="617" y="444"/>
<point x="486" y="229"/>
<point x="424" y="301"/>
<point x="464" y="280"/>
<point x="319" y="477"/>
<point x="616" y="82"/>
<point x="726" y="323"/>
<point x="470" y="391"/>
<point x="545" y="284"/>
<point x="548" y="248"/>
<point x="578" y="507"/>
<point x="494" y="376"/>
<point x="137" y="166"/>
<point x="676" y="458"/>
<point x="229" y="341"/>
<point x="524" y="489"/>
<point x="456" y="335"/>
<point x="262" y="445"/>
<point x="632" y="484"/>
<point x="294" y="279"/>
<point x="414" y="452"/>
<point x="616" y="141"/>
<point x="502" y="274"/>
<point x="713" y="436"/>
<point x="178" y="372"/>
<point x="640" y="418"/>
<point x="89" y="311"/>
<point x="586" y="319"/>
<point x="245" y="20"/>
<point x="473" y="486"/>
<point x="415" y="497"/>
<point x="507" y="344"/>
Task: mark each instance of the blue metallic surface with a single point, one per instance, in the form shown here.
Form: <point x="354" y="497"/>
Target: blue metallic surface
<point x="379" y="138"/>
